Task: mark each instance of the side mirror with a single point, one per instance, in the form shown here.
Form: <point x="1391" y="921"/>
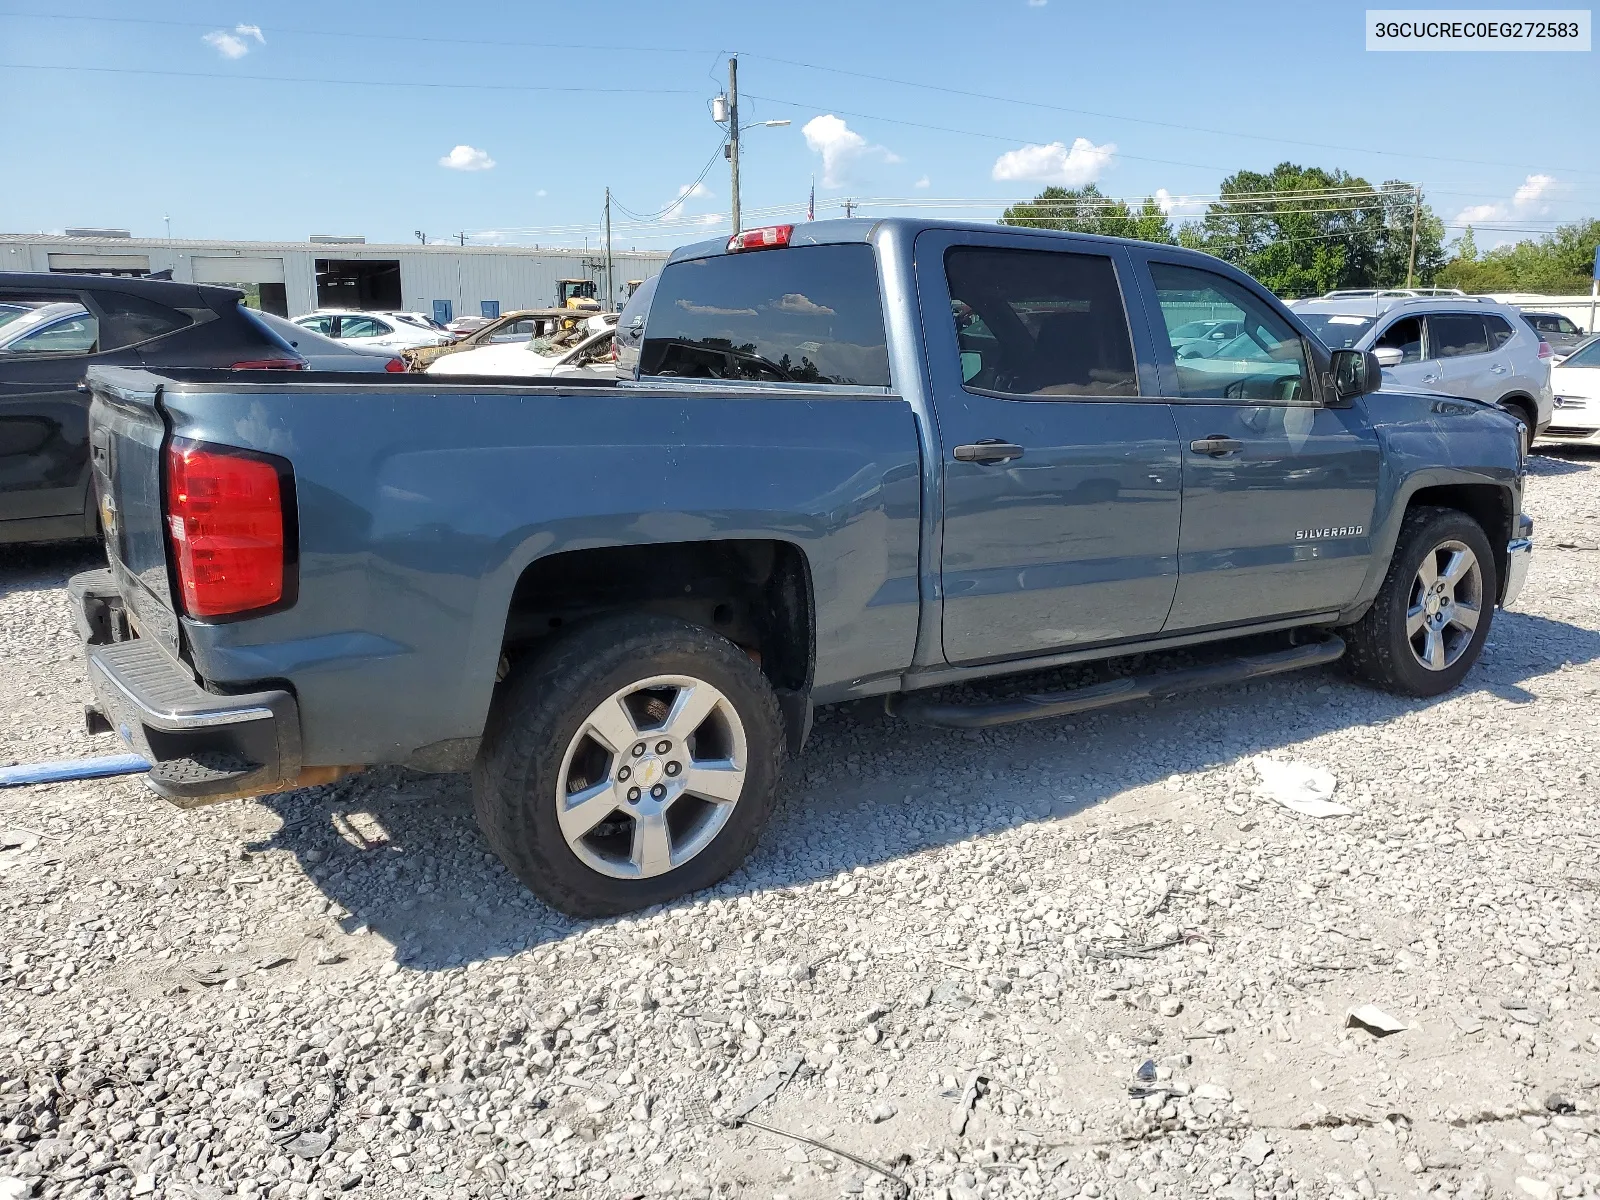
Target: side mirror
<point x="1389" y="356"/>
<point x="1355" y="373"/>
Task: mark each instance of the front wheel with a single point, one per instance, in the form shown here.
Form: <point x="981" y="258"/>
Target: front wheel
<point x="633" y="761"/>
<point x="1428" y="624"/>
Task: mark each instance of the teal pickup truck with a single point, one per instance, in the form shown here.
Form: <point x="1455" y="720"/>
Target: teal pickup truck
<point x="857" y="459"/>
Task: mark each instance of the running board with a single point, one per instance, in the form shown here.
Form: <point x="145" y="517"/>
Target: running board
<point x="926" y="711"/>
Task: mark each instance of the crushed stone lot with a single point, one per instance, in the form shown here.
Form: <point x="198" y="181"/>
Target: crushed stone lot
<point x="1074" y="958"/>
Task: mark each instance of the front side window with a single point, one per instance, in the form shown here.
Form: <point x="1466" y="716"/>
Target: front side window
<point x="515" y="331"/>
<point x="1565" y="327"/>
<point x="1405" y="335"/>
<point x="1040" y="323"/>
<point x="1456" y="334"/>
<point x="1265" y="360"/>
<point x="322" y="325"/>
<point x="801" y="314"/>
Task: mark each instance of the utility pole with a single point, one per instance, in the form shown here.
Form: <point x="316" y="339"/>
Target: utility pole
<point x="462" y="238"/>
<point x="849" y="207"/>
<point x="421" y="237"/>
<point x="611" y="289"/>
<point x="733" y="136"/>
<point x="1416" y="209"/>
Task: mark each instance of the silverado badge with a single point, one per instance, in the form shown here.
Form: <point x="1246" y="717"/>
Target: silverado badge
<point x="1337" y="531"/>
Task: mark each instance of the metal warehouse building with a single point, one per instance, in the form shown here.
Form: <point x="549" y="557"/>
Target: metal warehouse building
<point x="290" y="278"/>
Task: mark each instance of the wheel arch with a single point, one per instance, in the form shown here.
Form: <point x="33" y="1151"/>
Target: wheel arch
<point x="755" y="592"/>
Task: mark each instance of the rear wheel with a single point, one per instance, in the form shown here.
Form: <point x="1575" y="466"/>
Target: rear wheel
<point x="1428" y="624"/>
<point x="635" y="760"/>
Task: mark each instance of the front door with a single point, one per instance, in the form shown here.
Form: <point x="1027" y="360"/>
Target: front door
<point x="1278" y="491"/>
<point x="1416" y="371"/>
<point x="1061" y="474"/>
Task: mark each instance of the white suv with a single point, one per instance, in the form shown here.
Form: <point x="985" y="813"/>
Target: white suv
<point x="1455" y="345"/>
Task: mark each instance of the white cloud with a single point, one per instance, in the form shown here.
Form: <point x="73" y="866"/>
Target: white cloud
<point x="1055" y="163"/>
<point x="541" y="192"/>
<point x="686" y="193"/>
<point x="921" y="183"/>
<point x="802" y="305"/>
<point x="841" y="148"/>
<point x="1528" y="200"/>
<point x="467" y="158"/>
<point x="1177" y="206"/>
<point x="235" y="44"/>
<point x="1037" y="3"/>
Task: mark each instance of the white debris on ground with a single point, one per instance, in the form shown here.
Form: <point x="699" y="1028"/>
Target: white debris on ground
<point x="1076" y="958"/>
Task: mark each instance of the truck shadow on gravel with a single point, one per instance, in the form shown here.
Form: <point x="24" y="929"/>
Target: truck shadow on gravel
<point x="401" y="854"/>
<point x="44" y="566"/>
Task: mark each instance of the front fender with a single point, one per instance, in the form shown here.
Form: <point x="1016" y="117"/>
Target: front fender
<point x="1440" y="450"/>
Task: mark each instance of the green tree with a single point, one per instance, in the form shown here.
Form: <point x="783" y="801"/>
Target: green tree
<point x="1089" y="210"/>
<point x="1557" y="264"/>
<point x="1304" y="230"/>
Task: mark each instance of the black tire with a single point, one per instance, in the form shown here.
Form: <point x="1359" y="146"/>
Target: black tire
<point x="1523" y="411"/>
<point x="1379" y="652"/>
<point x="540" y="709"/>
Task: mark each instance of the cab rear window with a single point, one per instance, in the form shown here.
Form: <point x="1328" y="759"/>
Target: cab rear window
<point x="803" y="314"/>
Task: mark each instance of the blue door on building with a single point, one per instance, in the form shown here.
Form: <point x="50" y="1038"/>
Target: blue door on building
<point x="489" y="308"/>
<point x="441" y="312"/>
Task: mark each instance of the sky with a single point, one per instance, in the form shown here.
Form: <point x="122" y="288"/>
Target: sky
<point x="250" y="120"/>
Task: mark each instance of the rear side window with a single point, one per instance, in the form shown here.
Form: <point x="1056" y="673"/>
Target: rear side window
<point x="1040" y="323"/>
<point x="803" y="314"/>
<point x="1457" y="334"/>
<point x="127" y="320"/>
<point x="1500" y="331"/>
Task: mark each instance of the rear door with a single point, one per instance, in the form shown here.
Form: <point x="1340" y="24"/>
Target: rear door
<point x="1461" y="343"/>
<point x="44" y="440"/>
<point x="1061" y="473"/>
<point x="1278" y="490"/>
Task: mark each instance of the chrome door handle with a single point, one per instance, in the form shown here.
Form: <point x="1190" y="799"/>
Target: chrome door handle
<point x="1498" y="369"/>
<point x="990" y="450"/>
<point x="1216" y="445"/>
<point x="1430" y="379"/>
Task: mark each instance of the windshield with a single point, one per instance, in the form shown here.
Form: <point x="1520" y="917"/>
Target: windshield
<point x="1587" y="355"/>
<point x="1337" y="331"/>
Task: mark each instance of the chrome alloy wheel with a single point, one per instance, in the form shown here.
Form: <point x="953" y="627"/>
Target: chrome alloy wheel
<point x="1446" y="602"/>
<point x="651" y="777"/>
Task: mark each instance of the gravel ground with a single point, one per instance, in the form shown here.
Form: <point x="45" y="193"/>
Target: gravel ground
<point x="955" y="959"/>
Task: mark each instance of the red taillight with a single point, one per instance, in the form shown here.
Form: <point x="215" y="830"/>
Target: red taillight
<point x="764" y="238"/>
<point x="395" y="365"/>
<point x="226" y="519"/>
<point x="1544" y="349"/>
<point x="270" y="364"/>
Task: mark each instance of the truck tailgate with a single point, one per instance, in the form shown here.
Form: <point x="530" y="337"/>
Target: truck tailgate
<point x="126" y="435"/>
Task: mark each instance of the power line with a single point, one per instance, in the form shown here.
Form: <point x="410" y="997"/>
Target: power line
<point x="372" y="83"/>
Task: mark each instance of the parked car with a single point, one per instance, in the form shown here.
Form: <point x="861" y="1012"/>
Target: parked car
<point x="325" y="354"/>
<point x="587" y="354"/>
<point x="375" y="331"/>
<point x="58" y="327"/>
<point x="462" y="326"/>
<point x="1576" y="380"/>
<point x="1561" y="332"/>
<point x="862" y="459"/>
<point x="1196" y="339"/>
<point x="1455" y="346"/>
<point x="511" y="328"/>
<point x="630" y="328"/>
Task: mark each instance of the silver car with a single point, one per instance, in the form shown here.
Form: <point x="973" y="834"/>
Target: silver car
<point x="1455" y="345"/>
